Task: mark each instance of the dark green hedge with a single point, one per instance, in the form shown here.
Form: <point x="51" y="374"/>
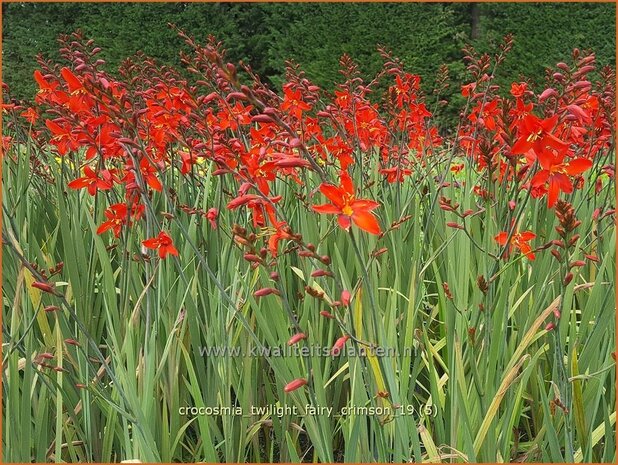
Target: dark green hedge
<point x="315" y="35"/>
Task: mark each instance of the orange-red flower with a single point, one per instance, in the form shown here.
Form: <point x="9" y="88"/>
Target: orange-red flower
<point x="555" y="174"/>
<point x="163" y="242"/>
<point x="118" y="215"/>
<point x="347" y="208"/>
<point x="93" y="182"/>
<point x="31" y="115"/>
<point x="293" y="102"/>
<point x="519" y="241"/>
<point x="63" y="137"/>
<point x="536" y="134"/>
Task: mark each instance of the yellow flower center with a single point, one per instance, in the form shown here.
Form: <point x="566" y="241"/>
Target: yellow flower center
<point x="347" y="210"/>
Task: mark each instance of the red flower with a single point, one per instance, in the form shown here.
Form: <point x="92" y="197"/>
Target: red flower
<point x="347" y="207"/>
<point x="292" y="101"/>
<point x="536" y="134"/>
<point x="282" y="232"/>
<point x="518" y="89"/>
<point x="30" y="115"/>
<point x="63" y="137"/>
<point x="519" y="240"/>
<point x="212" y="215"/>
<point x="78" y="95"/>
<point x="118" y="215"/>
<point x="555" y="173"/>
<point x="163" y="242"/>
<point x="93" y="182"/>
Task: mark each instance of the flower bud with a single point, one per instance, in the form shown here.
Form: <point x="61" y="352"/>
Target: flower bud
<point x="339" y="343"/>
<point x="296" y="338"/>
<point x="294" y="385"/>
<point x="266" y="291"/>
<point x="43" y="287"/>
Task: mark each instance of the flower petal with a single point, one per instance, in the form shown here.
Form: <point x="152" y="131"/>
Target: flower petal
<point x="333" y="193"/>
<point x="366" y="221"/>
<point x="326" y="208"/>
<point x="344" y="222"/>
<point x="578" y="166"/>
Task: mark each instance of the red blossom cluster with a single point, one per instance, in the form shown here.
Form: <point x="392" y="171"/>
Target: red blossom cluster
<point x="128" y="133"/>
<point x="544" y="140"/>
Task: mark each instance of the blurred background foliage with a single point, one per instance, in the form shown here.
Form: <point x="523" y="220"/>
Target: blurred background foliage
<point x="314" y="34"/>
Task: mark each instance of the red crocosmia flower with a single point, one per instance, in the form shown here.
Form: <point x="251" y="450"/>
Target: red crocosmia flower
<point x="518" y="89"/>
<point x="48" y="91"/>
<point x="343" y="98"/>
<point x="149" y="174"/>
<point x="347" y="207"/>
<point x="395" y="174"/>
<point x="468" y="89"/>
<point x="555" y="174"/>
<point x="62" y="137"/>
<point x="282" y="232"/>
<point x="93" y="182"/>
<point x="30" y="115"/>
<point x="79" y="99"/>
<point x="367" y="127"/>
<point x="519" y="241"/>
<point x="118" y="215"/>
<point x="535" y="133"/>
<point x="293" y="102"/>
<point x="485" y="113"/>
<point x="163" y="242"/>
<point x="212" y="215"/>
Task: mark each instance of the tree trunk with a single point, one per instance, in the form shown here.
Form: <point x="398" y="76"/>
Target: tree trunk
<point x="475" y="21"/>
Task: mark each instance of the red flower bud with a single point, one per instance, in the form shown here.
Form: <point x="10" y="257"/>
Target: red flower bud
<point x="43" y="287"/>
<point x="568" y="278"/>
<point x="345" y="297"/>
<point x="450" y="224"/>
<point x="294" y="385"/>
<point x="297" y="338"/>
<point x="262" y="119"/>
<point x="51" y="308"/>
<point x="266" y="291"/>
<point x="550" y="326"/>
<point x="339" y="343"/>
<point x="320" y="273"/>
<point x="326" y="314"/>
